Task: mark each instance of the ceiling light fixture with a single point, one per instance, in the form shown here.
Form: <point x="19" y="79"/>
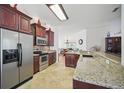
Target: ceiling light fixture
<point x="59" y="11"/>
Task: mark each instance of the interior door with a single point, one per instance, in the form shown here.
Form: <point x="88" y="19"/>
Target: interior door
<point x="26" y="68"/>
<point x="10" y="72"/>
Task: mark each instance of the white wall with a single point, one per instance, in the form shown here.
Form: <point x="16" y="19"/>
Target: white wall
<point x="115" y="27"/>
<point x="96" y="35"/>
<point x="63" y="36"/>
<point x="72" y="36"/>
<point x="122" y="30"/>
<point x="75" y="37"/>
<point x="92" y="36"/>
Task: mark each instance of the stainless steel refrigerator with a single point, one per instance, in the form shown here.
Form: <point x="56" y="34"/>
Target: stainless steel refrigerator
<point x="16" y="58"/>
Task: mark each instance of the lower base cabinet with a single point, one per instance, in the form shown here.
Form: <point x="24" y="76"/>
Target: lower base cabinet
<point x="71" y="60"/>
<point x="36" y="64"/>
<point x="83" y="85"/>
<point x="51" y="58"/>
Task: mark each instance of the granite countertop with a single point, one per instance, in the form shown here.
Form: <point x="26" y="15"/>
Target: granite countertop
<point x="108" y="56"/>
<point x="72" y="52"/>
<point x="35" y="54"/>
<point x="99" y="70"/>
<point x="111" y="57"/>
<point x="51" y="51"/>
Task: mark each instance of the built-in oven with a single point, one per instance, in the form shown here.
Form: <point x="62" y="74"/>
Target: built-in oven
<point x="43" y="61"/>
<point x="41" y="41"/>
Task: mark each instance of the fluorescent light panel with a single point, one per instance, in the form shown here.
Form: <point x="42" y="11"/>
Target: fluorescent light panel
<point x="58" y="11"/>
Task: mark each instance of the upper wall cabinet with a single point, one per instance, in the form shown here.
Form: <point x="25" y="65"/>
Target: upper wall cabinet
<point x="24" y="24"/>
<point x="39" y="31"/>
<point x="13" y="19"/>
<point x="8" y="18"/>
<point x="50" y="38"/>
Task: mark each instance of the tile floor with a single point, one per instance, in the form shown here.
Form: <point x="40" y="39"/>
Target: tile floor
<point x="56" y="76"/>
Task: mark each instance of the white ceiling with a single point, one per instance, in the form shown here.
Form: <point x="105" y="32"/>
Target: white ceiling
<point x="80" y="15"/>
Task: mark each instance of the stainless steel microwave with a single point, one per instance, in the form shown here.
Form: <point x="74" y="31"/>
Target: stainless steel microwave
<point x="41" y="41"/>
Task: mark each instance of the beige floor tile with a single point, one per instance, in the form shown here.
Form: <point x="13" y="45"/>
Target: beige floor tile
<point x="56" y="76"/>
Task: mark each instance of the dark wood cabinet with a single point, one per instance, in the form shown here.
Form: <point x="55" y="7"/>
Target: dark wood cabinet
<point x="38" y="30"/>
<point x="8" y="18"/>
<point x="13" y="19"/>
<point x="51" y="58"/>
<point x="71" y="60"/>
<point x="83" y="85"/>
<point x="113" y="45"/>
<point x="50" y="38"/>
<point x="24" y="24"/>
<point x="36" y="64"/>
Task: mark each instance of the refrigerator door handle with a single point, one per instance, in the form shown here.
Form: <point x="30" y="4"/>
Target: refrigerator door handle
<point x="19" y="54"/>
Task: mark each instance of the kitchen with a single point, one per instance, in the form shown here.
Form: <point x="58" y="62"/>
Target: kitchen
<point x="39" y="50"/>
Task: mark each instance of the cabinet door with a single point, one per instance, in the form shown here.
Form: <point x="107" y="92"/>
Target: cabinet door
<point x="42" y="32"/>
<point x="76" y="60"/>
<point x="72" y="60"/>
<point x="36" y="64"/>
<point x="109" y="44"/>
<point x="69" y="60"/>
<point x="54" y="56"/>
<point x="117" y="45"/>
<point x="50" y="61"/>
<point x="113" y="45"/>
<point x="52" y="38"/>
<point x="8" y="18"/>
<point x="24" y="24"/>
<point x="38" y="31"/>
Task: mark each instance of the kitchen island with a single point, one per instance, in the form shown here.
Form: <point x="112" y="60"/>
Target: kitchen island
<point x="98" y="72"/>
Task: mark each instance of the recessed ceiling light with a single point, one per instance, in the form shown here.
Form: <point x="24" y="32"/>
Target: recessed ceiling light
<point x="58" y="10"/>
